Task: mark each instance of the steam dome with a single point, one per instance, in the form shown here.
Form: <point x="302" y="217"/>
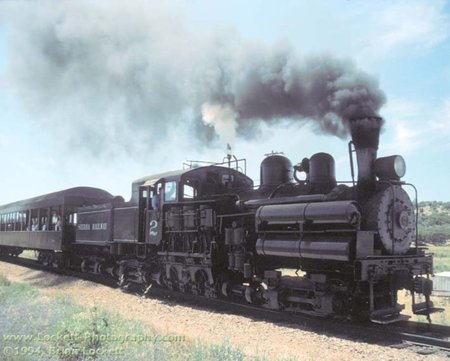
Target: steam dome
<point x="275" y="169"/>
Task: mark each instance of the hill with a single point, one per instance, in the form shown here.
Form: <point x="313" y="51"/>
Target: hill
<point x="434" y="222"/>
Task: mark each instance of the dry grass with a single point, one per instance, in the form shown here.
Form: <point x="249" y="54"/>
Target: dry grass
<point x="73" y="329"/>
<point x="441" y="259"/>
<point x="441" y="318"/>
<point x="29" y="254"/>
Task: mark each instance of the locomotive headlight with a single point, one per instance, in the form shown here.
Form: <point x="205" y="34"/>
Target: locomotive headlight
<point x="390" y="168"/>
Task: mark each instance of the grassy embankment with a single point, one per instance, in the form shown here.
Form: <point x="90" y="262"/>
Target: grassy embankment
<point x="434" y="222"/>
<point x="35" y="327"/>
<point x="441" y="263"/>
<point x="441" y="258"/>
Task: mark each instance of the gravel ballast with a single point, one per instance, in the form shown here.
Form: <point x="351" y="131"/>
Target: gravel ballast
<point x="255" y="337"/>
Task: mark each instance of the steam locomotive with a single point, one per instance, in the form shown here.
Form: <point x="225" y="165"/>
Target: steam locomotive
<point x="207" y="230"/>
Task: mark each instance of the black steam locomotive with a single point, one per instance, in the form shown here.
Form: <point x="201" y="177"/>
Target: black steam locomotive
<point x="207" y="230"/>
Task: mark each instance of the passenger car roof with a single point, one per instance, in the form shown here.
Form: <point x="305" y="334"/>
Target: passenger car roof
<point x="74" y="196"/>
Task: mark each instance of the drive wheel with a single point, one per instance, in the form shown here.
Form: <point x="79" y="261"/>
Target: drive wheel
<point x="200" y="282"/>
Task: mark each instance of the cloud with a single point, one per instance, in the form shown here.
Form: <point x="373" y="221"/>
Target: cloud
<point x="439" y="127"/>
<point x="444" y="124"/>
<point x="414" y="125"/>
<point x="407" y="138"/>
<point x="414" y="25"/>
<point x="405" y="128"/>
<point x="105" y="77"/>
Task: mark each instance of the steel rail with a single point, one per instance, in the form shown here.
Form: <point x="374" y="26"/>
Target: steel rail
<point x="408" y="333"/>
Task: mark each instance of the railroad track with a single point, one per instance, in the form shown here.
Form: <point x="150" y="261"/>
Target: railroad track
<point x="423" y="337"/>
<point x="426" y="341"/>
<point x="33" y="264"/>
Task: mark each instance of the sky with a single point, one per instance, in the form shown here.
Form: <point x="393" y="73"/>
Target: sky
<point x="99" y="93"/>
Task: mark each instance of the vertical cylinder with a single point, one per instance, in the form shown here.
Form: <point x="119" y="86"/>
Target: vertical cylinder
<point x="231" y="261"/>
<point x="229" y="236"/>
<point x="239" y="262"/>
<point x="248" y="270"/>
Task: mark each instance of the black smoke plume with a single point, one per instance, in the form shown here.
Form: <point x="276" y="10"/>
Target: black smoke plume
<point x="105" y="76"/>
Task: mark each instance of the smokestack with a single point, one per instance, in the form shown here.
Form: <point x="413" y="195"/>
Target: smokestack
<point x="365" y="137"/>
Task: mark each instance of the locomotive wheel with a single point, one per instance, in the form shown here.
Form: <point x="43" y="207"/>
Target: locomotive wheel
<point x="45" y="258"/>
<point x="122" y="283"/>
<point x="200" y="283"/>
<point x="146" y="289"/>
<point x="145" y="276"/>
<point x="341" y="304"/>
<point x="16" y="252"/>
<point x="173" y="283"/>
<point x="58" y="260"/>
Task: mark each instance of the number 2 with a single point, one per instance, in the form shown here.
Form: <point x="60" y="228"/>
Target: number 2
<point x="153" y="228"/>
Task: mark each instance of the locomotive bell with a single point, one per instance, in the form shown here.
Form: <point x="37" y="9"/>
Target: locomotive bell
<point x="275" y="170"/>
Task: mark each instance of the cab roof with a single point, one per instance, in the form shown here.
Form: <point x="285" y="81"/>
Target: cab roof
<point x="177" y="174"/>
<point x="182" y="174"/>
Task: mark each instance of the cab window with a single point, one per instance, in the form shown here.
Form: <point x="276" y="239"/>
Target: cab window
<point x="189" y="192"/>
<point x="170" y="191"/>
